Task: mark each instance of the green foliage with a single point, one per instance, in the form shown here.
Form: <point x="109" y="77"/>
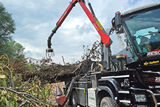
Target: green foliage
<point x="7" y="27"/>
<point x="31" y="67"/>
<point x="14" y="49"/>
<point x="15" y="93"/>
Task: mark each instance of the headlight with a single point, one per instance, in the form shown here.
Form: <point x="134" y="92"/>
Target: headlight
<point x="157" y="80"/>
<point x="140" y="98"/>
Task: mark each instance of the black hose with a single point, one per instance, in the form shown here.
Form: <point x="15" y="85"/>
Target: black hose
<point x="51" y="35"/>
<point x="91" y="9"/>
<point x="70" y="88"/>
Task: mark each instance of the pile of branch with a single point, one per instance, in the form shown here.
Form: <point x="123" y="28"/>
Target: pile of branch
<point x="53" y="72"/>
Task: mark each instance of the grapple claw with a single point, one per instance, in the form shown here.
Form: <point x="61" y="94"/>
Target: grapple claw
<point x="49" y="54"/>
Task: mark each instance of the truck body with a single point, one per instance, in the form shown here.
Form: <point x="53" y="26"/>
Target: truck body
<point x="123" y="80"/>
<point x="135" y="83"/>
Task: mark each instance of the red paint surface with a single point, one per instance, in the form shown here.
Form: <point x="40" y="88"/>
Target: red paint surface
<point x="60" y="99"/>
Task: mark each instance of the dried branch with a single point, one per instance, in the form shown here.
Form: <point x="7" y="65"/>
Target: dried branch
<point x="77" y="68"/>
<point x="11" y="76"/>
<point x="23" y="103"/>
<point x="63" y="60"/>
<point x="22" y="94"/>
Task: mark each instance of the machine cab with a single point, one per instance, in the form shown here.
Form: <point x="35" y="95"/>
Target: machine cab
<point x="142" y="29"/>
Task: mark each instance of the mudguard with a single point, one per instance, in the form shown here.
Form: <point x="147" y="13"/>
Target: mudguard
<point x="107" y="89"/>
<point x="110" y="86"/>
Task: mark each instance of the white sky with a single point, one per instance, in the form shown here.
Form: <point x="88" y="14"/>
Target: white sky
<point x="35" y="19"/>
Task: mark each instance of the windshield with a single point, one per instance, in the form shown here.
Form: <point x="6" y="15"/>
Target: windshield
<point x="145" y="30"/>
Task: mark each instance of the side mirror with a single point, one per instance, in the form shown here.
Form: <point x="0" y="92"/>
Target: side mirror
<point x="118" y="22"/>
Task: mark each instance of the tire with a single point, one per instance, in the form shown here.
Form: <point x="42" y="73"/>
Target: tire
<point x="108" y="102"/>
<point x="74" y="99"/>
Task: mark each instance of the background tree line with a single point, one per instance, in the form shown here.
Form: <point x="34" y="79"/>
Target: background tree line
<point x="7" y="44"/>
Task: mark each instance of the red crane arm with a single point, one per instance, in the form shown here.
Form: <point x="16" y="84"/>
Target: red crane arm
<point x="105" y="39"/>
<point x="58" y="24"/>
<point x="66" y="12"/>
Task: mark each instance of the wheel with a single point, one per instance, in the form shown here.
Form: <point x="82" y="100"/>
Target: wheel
<point x="108" y="102"/>
<point x="74" y="99"/>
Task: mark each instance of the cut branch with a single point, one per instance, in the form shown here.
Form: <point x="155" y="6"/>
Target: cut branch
<point x="22" y="94"/>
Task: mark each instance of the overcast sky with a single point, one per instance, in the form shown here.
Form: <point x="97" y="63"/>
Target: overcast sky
<point x="35" y="19"/>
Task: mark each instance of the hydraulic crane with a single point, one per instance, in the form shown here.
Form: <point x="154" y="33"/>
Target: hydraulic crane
<point x="105" y="39"/>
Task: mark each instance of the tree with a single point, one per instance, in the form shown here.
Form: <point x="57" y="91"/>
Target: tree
<point x="7" y="25"/>
<point x="14" y="49"/>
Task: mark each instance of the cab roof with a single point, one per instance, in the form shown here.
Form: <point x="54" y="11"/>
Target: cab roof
<point x="138" y="9"/>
